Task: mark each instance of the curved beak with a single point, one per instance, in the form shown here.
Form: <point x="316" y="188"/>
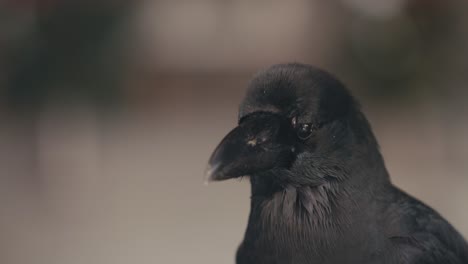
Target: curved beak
<point x="261" y="142"/>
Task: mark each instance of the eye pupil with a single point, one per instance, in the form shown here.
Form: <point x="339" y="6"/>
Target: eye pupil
<point x="304" y="131"/>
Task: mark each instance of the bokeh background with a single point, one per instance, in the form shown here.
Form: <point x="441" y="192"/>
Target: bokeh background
<point x="109" y="111"/>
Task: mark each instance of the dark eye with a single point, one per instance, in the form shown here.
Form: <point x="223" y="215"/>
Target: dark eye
<point x="304" y="131"/>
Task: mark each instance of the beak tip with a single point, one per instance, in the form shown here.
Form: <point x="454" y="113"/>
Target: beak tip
<point x="210" y="174"/>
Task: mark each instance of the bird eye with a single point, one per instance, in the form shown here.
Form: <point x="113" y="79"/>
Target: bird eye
<point x="304" y="131"/>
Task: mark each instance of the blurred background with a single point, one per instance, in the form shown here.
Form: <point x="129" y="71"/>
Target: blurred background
<point x="109" y="111"/>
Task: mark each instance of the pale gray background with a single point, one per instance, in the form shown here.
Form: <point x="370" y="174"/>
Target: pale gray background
<point x="84" y="184"/>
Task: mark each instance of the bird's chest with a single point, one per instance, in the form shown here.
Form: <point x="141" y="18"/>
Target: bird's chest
<point x="289" y="228"/>
<point x="285" y="243"/>
<point x="297" y="227"/>
<point x="281" y="245"/>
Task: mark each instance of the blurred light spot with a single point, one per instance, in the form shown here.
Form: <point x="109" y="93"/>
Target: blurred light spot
<point x="383" y="9"/>
<point x="229" y="35"/>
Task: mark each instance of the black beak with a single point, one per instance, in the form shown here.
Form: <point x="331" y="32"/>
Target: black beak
<point x="261" y="142"/>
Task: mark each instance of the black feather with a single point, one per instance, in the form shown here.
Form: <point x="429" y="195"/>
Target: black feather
<point x="327" y="198"/>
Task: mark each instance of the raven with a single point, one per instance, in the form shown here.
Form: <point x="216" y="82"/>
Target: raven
<point x="320" y="192"/>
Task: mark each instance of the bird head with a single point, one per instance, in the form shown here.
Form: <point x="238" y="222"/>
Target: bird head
<point x="295" y="120"/>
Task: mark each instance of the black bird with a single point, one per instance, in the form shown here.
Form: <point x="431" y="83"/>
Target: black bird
<point x="320" y="189"/>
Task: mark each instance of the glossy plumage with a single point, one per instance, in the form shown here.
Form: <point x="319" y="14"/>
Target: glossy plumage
<point x="322" y="195"/>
